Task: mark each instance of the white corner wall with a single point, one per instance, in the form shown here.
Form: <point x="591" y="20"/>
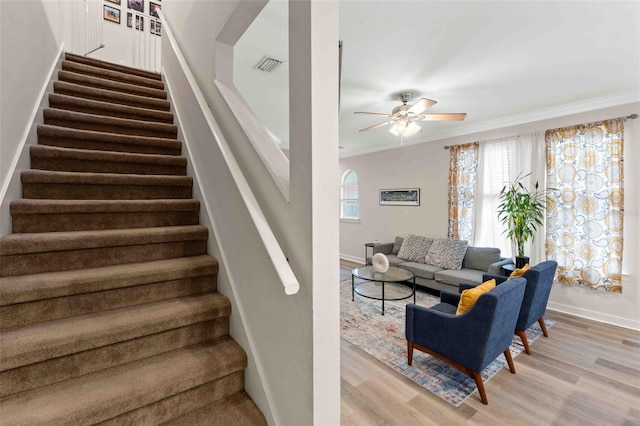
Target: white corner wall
<point x="426" y="166"/>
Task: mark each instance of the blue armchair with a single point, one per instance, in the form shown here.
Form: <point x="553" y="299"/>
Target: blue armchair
<point x="471" y="341"/>
<point x="536" y="296"/>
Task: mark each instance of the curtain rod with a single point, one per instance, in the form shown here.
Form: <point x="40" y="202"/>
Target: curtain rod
<point x="628" y="117"/>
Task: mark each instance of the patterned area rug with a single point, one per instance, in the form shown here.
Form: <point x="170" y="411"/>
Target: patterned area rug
<point x="383" y="337"/>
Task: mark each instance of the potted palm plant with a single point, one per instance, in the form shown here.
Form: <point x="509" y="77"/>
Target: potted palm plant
<point x="522" y="212"/>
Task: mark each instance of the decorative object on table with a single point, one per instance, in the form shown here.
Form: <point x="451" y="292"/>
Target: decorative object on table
<point x="522" y="212"/>
<point x="471" y="341"/>
<point x="380" y="262"/>
<point x="111" y="14"/>
<point x="382" y="336"/>
<point x="536" y="296"/>
<point x="400" y="197"/>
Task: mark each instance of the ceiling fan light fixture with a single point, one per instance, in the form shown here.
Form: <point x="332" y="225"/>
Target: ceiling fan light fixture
<point x="401" y="128"/>
<point x="412" y="129"/>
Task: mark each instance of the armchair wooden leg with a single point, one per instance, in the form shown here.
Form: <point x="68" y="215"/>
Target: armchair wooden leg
<point x="507" y="355"/>
<point x="543" y="326"/>
<point x="409" y="352"/>
<point x="525" y="342"/>
<point x="480" y="385"/>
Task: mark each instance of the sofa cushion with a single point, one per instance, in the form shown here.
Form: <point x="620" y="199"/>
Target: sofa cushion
<point x="421" y="270"/>
<point x="455" y="277"/>
<point x="394" y="260"/>
<point x="415" y="248"/>
<point x="447" y="253"/>
<point x="396" y="245"/>
<point x="468" y="297"/>
<point x="480" y="258"/>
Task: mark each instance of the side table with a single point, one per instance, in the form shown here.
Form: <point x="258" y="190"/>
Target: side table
<point x="367" y="246"/>
<point x="507" y="269"/>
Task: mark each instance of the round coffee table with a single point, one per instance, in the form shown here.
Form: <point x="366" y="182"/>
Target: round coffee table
<point x="393" y="275"/>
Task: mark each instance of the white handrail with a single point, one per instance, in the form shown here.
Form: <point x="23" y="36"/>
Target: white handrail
<point x="280" y="263"/>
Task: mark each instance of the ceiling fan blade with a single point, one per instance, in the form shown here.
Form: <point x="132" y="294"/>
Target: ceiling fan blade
<point x="375" y="126"/>
<point x="421" y="105"/>
<point x="373" y="113"/>
<point x="454" y="116"/>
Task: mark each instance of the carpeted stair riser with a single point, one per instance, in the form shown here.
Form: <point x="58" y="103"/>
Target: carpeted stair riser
<point x="98" y="107"/>
<point x="237" y="409"/>
<point x="39" y="342"/>
<point x="58" y="251"/>
<point x="34" y="287"/>
<point x="89" y="81"/>
<point x="100" y="396"/>
<point x="182" y="403"/>
<point x="85" y="139"/>
<point x="103" y="186"/>
<point x="58" y="369"/>
<point x="111" y="96"/>
<point x="87" y="161"/>
<point x="78" y="120"/>
<point x="62" y="307"/>
<point x="112" y="75"/>
<point x="111" y="66"/>
<point x="29" y="216"/>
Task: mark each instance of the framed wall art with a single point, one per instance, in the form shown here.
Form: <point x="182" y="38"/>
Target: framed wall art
<point x="136" y="5"/>
<point x="400" y="197"/>
<point x="111" y="14"/>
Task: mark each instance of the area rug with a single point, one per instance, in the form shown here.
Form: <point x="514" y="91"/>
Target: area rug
<point x="383" y="337"/>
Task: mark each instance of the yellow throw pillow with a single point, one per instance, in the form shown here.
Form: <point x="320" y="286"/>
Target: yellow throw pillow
<point x="519" y="272"/>
<point x="469" y="296"/>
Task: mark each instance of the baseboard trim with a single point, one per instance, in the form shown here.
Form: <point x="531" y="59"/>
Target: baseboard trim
<point x="352" y="258"/>
<point x="595" y="316"/>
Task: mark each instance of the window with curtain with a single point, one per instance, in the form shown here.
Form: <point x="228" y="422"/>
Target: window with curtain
<point x="585" y="213"/>
<point x="463" y="160"/>
<point x="349" y="207"/>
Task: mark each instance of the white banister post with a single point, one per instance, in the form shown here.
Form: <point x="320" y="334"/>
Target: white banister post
<point x="313" y="100"/>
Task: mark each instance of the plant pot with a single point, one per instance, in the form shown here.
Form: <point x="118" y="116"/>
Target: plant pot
<point x="521" y="261"/>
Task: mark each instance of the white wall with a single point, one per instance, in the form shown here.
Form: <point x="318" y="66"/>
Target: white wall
<point x="293" y="341"/>
<point x="426" y="166"/>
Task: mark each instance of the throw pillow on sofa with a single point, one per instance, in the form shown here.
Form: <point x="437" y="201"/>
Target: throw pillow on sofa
<point x="480" y="258"/>
<point x="397" y="244"/>
<point x="414" y="248"/>
<point x="447" y="253"/>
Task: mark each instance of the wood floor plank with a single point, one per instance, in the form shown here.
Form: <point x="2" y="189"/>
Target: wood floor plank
<point x="585" y="372"/>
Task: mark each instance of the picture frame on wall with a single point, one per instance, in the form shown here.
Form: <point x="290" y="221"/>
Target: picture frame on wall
<point x="153" y="9"/>
<point x="156" y="27"/>
<point x="129" y="19"/>
<point x="139" y="23"/>
<point x="111" y="14"/>
<point x="136" y="5"/>
<point x="114" y="1"/>
<point x="400" y="197"/>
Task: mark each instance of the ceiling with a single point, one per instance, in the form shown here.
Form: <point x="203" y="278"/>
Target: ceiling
<point x="503" y="63"/>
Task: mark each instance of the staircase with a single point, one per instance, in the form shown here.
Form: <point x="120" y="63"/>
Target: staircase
<point x="108" y="305"/>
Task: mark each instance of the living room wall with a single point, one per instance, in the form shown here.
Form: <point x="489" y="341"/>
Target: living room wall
<point x="426" y="166"/>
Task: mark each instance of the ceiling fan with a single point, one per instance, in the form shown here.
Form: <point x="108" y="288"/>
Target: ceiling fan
<point x="404" y="116"/>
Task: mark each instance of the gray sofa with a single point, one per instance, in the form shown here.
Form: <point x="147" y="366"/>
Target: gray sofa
<point x="476" y="262"/>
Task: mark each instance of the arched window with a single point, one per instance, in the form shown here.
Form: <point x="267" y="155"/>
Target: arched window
<point x="349" y="196"/>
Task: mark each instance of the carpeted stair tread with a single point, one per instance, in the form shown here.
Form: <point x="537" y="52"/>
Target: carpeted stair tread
<point x="38" y="342"/>
<point x="112" y="75"/>
<point x="93" y="161"/>
<point x="43" y="215"/>
<point x="87" y="139"/>
<point x="90" y="81"/>
<point x="100" y="396"/>
<point x="99" y="107"/>
<point x="237" y="409"/>
<point x="79" y="120"/>
<point x="32" y="287"/>
<point x="114" y="97"/>
<point x="14" y="244"/>
<point x="110" y="65"/>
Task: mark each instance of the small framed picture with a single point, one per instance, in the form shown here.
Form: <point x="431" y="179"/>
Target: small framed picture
<point x="156" y="27"/>
<point x="111" y="14"/>
<point x="400" y="197"/>
<point x="114" y="1"/>
<point x="136" y="5"/>
<point x="153" y="9"/>
<point x="139" y="23"/>
<point x="129" y="19"/>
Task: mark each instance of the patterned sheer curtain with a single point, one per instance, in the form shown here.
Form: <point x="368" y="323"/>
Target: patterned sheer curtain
<point x="463" y="160"/>
<point x="585" y="213"/>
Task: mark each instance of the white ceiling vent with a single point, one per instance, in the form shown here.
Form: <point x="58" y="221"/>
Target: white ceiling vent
<point x="268" y="64"/>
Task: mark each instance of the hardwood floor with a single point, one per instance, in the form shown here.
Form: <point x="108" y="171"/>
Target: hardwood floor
<point x="584" y="373"/>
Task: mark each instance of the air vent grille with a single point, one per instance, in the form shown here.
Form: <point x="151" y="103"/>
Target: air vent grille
<point x="268" y="64"/>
